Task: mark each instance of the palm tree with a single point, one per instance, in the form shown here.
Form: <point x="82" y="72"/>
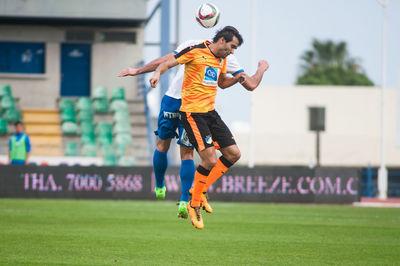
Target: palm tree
<point x="329" y="63"/>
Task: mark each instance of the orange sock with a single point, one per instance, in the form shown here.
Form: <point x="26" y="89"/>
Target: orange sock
<point x="200" y="179"/>
<point x="217" y="171"/>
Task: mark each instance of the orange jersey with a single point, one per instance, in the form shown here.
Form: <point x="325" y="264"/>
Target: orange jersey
<point x="202" y="70"/>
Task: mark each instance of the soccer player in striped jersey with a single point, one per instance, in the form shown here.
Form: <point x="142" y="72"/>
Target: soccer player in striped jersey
<point x="205" y="69"/>
<point x="169" y="124"/>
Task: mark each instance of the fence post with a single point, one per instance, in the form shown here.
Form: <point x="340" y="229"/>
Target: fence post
<point x="369" y="181"/>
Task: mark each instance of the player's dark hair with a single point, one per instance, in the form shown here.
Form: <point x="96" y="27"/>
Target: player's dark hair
<point x="227" y="33"/>
<point x="18" y="123"/>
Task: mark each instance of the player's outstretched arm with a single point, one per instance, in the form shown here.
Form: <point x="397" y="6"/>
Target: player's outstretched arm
<point x="161" y="69"/>
<point x="251" y="83"/>
<point x="224" y="81"/>
<point x="149" y="67"/>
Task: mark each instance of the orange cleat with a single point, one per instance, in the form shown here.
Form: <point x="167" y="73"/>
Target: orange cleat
<point x="203" y="201"/>
<point x="195" y="216"/>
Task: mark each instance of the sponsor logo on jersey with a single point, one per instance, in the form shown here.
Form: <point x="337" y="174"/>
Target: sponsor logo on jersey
<point x="184" y="139"/>
<point x="210" y="76"/>
<point x="171" y="115"/>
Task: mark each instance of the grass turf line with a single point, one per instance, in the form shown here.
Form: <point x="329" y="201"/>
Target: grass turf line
<point x="98" y="232"/>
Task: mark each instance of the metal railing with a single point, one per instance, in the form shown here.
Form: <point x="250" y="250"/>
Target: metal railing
<point x="142" y="91"/>
<point x="369" y="185"/>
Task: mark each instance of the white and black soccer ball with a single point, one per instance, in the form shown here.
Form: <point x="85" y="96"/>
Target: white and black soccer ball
<point x="207" y="15"/>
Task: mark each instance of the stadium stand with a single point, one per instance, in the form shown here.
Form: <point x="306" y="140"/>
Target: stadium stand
<point x="103" y="127"/>
<point x="3" y="126"/>
<point x="41" y="125"/>
<point x="118" y="94"/>
<point x="71" y="149"/>
<point x="43" y="128"/>
<point x="114" y="128"/>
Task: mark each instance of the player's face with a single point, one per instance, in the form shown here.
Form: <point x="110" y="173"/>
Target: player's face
<point x="19" y="129"/>
<point x="229" y="47"/>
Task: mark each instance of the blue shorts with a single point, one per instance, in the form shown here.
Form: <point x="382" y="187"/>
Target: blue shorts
<point x="169" y="122"/>
<point x="17" y="162"/>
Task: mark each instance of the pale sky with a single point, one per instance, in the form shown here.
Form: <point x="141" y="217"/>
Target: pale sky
<point x="284" y="30"/>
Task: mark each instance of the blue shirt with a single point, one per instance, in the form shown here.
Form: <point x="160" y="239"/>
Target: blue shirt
<point x="28" y="146"/>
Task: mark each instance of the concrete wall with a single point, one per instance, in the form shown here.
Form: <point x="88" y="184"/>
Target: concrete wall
<point x="352" y="133"/>
<point x="108" y="59"/>
<point x="41" y="91"/>
<point x="115" y="9"/>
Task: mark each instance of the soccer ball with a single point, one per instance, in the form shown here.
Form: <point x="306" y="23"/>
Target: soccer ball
<point x="207" y="15"/>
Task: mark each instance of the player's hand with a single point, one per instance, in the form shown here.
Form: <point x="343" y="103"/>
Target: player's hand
<point x="263" y="65"/>
<point x="128" y="72"/>
<point x="155" y="79"/>
<point x="241" y="77"/>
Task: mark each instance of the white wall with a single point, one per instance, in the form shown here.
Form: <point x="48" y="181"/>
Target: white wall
<point x="352" y="133"/>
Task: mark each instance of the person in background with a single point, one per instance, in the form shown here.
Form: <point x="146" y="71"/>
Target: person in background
<point x="20" y="146"/>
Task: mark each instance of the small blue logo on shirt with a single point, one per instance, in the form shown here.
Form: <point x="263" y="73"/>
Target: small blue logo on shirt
<point x="210" y="76"/>
<point x="209" y="140"/>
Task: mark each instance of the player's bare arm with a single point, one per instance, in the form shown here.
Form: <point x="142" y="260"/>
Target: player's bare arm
<point x="251" y="83"/>
<point x="150" y="67"/>
<point x="161" y="69"/>
<point x="224" y="81"/>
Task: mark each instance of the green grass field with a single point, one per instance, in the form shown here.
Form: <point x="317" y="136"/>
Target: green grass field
<point x="97" y="232"/>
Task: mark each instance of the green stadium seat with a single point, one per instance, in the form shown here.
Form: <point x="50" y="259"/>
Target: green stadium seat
<point x="67" y="104"/>
<point x="122" y="127"/>
<point x="118" y="94"/>
<point x="87" y="127"/>
<point x="104" y="132"/>
<point x="126" y="161"/>
<point x="5" y="90"/>
<point x="12" y="115"/>
<point x="120" y="149"/>
<point x="101" y="106"/>
<point x="88" y="138"/>
<point x="104" y="128"/>
<point x="90" y="150"/>
<point x="123" y="139"/>
<point x="109" y="158"/>
<point x="68" y="115"/>
<point x="71" y="149"/>
<point x="3" y="127"/>
<point x="100" y="93"/>
<point x="85" y="115"/>
<point x="121" y="116"/>
<point x="119" y="105"/>
<point x="69" y="128"/>
<point x="7" y="102"/>
<point x="84" y="103"/>
<point x="105" y="140"/>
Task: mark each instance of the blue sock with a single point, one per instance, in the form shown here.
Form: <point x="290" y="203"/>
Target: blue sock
<point x="187" y="176"/>
<point x="160" y="164"/>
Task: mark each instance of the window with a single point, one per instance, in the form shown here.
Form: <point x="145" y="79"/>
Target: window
<point x="22" y="57"/>
<point x="118" y="36"/>
<point x="317" y="118"/>
<point x="79" y="36"/>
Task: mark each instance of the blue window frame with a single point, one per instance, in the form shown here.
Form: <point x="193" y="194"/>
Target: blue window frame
<point x="22" y="57"/>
